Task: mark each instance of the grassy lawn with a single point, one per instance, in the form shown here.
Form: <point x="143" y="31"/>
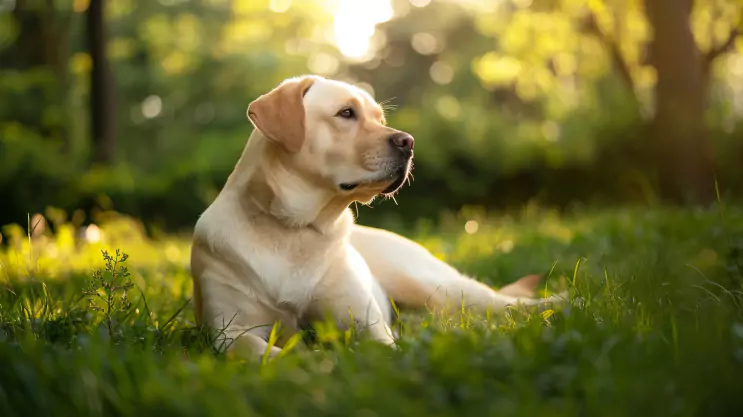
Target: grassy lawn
<point x="654" y="328"/>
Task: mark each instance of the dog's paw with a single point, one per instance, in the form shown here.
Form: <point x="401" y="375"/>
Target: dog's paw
<point x="524" y="287"/>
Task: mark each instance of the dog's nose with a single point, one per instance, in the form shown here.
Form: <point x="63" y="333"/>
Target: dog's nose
<point x="403" y="141"/>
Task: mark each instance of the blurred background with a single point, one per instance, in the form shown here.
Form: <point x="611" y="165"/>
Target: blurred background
<point x="139" y="105"/>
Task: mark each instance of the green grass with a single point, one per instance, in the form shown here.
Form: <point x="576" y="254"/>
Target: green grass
<point x="654" y="328"/>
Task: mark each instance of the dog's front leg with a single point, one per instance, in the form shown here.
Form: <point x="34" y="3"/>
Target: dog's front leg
<point x="350" y="304"/>
<point x="346" y="293"/>
<point x="240" y="324"/>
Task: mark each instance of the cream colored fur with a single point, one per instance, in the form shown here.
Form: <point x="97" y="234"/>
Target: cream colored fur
<point x="279" y="243"/>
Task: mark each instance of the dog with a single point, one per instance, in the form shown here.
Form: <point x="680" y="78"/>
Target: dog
<point x="279" y="243"/>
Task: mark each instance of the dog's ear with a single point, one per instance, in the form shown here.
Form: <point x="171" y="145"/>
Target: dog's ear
<point x="279" y="114"/>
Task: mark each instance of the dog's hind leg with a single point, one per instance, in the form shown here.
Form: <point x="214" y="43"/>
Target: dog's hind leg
<point x="413" y="277"/>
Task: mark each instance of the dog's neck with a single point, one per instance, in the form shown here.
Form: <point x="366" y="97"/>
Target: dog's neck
<point x="263" y="181"/>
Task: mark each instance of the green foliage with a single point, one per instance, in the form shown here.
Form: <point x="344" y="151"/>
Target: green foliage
<point x="108" y="294"/>
<point x="655" y="311"/>
<point x="509" y="101"/>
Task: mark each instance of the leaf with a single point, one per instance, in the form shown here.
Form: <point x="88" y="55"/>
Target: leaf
<point x="272" y="338"/>
<point x="289" y="345"/>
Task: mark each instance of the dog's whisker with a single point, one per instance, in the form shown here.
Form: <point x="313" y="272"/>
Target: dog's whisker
<point x="386" y="106"/>
<point x="386" y="101"/>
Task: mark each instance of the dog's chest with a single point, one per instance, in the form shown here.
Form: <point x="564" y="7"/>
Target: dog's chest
<point x="288" y="273"/>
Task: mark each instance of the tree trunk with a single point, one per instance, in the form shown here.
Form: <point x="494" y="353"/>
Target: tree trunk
<point x="683" y="149"/>
<point x="42" y="45"/>
<point x="30" y="47"/>
<point x="102" y="99"/>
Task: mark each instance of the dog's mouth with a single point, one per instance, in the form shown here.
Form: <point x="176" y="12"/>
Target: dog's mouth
<point x="348" y="186"/>
<point x="398" y="176"/>
<point x="401" y="175"/>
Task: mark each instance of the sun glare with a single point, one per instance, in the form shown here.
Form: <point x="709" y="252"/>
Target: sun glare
<point x="354" y="25"/>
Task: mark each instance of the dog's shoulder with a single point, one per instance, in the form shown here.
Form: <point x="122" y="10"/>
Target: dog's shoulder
<point x="228" y="228"/>
<point x="223" y="227"/>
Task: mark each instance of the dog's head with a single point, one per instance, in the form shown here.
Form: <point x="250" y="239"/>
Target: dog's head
<point x="335" y="134"/>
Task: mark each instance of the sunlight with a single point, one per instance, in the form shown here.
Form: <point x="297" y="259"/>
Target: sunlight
<point x="354" y="25"/>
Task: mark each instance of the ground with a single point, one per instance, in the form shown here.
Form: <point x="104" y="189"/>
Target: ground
<point x="654" y="326"/>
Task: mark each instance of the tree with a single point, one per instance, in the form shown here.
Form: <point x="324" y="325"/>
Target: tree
<point x="651" y="47"/>
<point x="680" y="141"/>
<point x="38" y="58"/>
<point x="102" y="91"/>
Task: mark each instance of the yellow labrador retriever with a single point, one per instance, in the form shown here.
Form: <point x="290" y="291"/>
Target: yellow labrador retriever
<point x="279" y="243"/>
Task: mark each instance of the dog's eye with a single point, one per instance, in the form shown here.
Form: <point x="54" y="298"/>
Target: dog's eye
<point x="347" y="113"/>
